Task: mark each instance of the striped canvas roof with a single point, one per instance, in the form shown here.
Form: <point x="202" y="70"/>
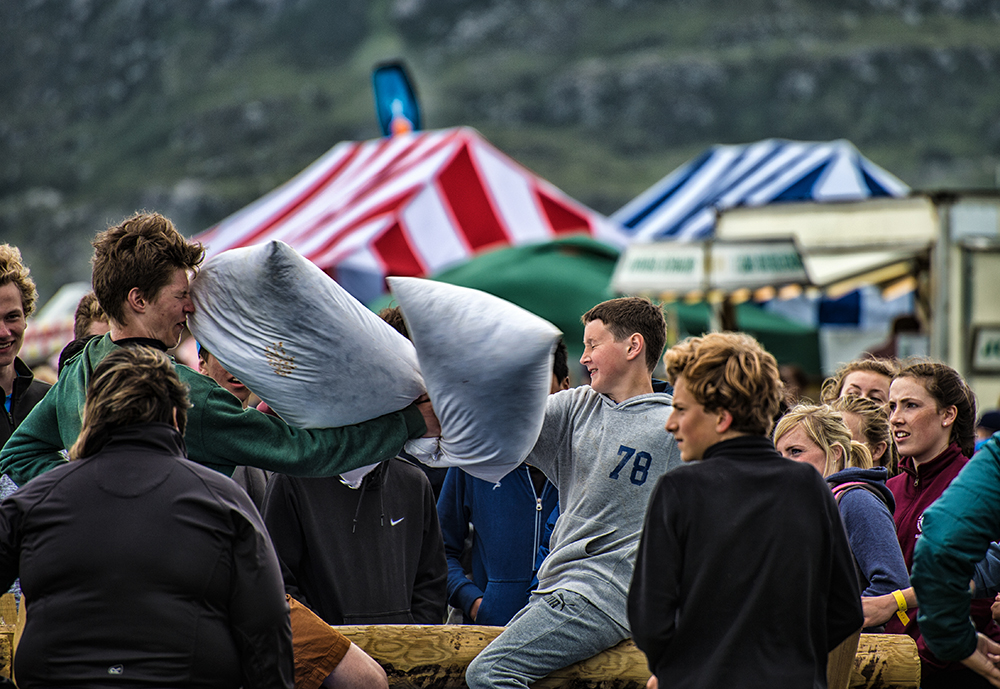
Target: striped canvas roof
<point x="683" y="204"/>
<point x="408" y="205"/>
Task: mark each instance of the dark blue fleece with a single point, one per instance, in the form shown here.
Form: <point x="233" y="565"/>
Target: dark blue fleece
<point x="507" y="528"/>
<point x="987" y="575"/>
<point x="872" y="531"/>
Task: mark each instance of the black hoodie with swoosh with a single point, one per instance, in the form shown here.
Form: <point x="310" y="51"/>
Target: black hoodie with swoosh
<point x="372" y="555"/>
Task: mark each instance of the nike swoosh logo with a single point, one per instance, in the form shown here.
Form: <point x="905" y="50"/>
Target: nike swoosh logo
<point x="393" y="522"/>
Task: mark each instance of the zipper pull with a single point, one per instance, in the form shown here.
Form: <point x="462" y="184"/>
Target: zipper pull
<point x="538" y="504"/>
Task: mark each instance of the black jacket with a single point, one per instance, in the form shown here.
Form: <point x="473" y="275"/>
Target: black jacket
<point x="141" y="565"/>
<point x="27" y="393"/>
<point x="368" y="556"/>
<point x="744" y="576"/>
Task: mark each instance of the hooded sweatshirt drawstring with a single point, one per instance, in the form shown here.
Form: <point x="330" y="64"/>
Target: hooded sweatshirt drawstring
<point x="383" y="471"/>
<point x="381" y="492"/>
<point x="354" y="526"/>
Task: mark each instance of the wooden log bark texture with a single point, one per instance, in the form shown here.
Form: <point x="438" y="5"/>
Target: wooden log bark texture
<point x="886" y="661"/>
<point x="840" y="662"/>
<point x="436" y="656"/>
<point x="8" y="626"/>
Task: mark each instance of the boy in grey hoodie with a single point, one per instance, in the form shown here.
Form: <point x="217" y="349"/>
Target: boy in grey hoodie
<point x="603" y="446"/>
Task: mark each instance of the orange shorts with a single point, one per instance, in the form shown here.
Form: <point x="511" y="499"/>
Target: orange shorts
<point x="317" y="647"/>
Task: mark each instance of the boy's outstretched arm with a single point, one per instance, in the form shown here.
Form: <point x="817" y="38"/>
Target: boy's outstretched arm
<point x="35" y="445"/>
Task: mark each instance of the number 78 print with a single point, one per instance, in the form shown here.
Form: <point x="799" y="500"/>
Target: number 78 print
<point x="640" y="465"/>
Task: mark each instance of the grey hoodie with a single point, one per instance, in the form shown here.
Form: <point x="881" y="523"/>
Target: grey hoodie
<point x="605" y="459"/>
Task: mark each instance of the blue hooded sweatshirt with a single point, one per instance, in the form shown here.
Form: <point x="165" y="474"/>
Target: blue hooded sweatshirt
<point x="508" y="519"/>
<point x="871" y="530"/>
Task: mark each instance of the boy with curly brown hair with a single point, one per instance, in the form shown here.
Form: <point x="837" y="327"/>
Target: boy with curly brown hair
<point x="743" y="558"/>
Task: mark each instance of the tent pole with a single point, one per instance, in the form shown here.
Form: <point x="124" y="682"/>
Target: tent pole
<point x="727" y="315"/>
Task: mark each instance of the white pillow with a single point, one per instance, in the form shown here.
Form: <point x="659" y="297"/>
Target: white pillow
<point x="290" y="333"/>
<point x="488" y="368"/>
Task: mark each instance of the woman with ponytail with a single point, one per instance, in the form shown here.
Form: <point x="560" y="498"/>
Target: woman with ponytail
<point x="817" y="435"/>
<point x="932" y="412"/>
<point x="869" y="424"/>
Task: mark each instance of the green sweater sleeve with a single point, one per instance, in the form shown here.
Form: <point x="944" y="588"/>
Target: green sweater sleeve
<point x="54" y="423"/>
<point x="957" y="530"/>
<point x="35" y="445"/>
<point x="222" y="435"/>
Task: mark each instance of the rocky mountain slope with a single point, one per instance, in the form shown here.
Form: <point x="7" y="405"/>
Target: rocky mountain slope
<point x="196" y="107"/>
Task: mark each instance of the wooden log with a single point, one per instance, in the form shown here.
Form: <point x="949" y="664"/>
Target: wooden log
<point x="886" y="661"/>
<point x="436" y="656"/>
<point x="6" y="656"/>
<point x="416" y="656"/>
<point x="8" y="627"/>
<point x="840" y="662"/>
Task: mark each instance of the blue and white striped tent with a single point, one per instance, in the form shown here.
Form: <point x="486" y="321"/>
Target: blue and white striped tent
<point x="683" y="205"/>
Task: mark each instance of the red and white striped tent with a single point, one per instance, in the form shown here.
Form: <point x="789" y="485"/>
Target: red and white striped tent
<point x="411" y="205"/>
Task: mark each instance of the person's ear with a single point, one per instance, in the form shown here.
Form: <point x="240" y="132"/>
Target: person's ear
<point x="635" y="346"/>
<point x="136" y="301"/>
<point x="880" y="449"/>
<point x="564" y="383"/>
<point x="838" y="457"/>
<point x="948" y="415"/>
<point x="723" y="421"/>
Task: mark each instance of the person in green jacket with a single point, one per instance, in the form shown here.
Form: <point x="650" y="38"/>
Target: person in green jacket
<point x="956" y="532"/>
<point x="141" y="273"/>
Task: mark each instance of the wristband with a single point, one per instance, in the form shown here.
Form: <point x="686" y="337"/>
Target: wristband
<point x="903" y="607"/>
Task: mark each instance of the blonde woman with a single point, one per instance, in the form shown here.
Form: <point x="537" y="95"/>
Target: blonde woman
<point x="868" y="422"/>
<point x="818" y="436"/>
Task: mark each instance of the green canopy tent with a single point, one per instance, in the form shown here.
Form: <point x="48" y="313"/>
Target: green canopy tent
<point x="562" y="279"/>
<point x="789" y="341"/>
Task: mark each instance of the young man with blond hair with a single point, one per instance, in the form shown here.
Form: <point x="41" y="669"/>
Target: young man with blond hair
<point x="17" y="301"/>
<point x="603" y="447"/>
<point x="744" y="575"/>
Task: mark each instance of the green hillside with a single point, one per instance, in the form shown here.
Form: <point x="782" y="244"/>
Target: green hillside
<point x="196" y="108"/>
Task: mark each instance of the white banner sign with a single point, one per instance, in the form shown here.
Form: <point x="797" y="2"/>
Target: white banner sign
<point x="676" y="267"/>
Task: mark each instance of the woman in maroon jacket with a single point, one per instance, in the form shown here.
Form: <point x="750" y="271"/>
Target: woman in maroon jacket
<point x="932" y="413"/>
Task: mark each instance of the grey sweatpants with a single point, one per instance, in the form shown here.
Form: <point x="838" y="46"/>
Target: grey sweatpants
<point x="553" y="631"/>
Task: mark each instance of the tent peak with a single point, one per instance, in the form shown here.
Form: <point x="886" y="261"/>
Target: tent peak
<point x="684" y="204"/>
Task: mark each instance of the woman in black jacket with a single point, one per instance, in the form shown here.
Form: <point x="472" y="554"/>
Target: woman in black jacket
<point x="139" y="567"/>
